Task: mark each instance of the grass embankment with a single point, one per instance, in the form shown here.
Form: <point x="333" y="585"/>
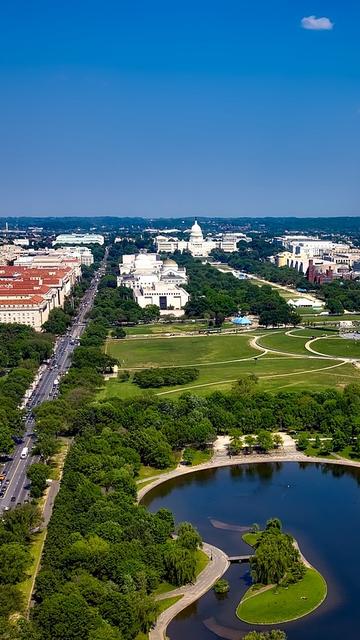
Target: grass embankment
<point x="164" y="604"/>
<point x="273" y="604"/>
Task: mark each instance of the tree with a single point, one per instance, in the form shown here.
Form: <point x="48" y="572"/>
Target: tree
<point x="265" y="441"/>
<point x="274" y="634"/>
<point x="221" y="586"/>
<point x="277" y="440"/>
<point x="6" y="441"/>
<point x="58" y="322"/>
<point x="11" y="600"/>
<point x="302" y="442"/>
<point x="37" y="474"/>
<point x="66" y="616"/>
<point x="15" y="559"/>
<point x="179" y="564"/>
<point x="339" y="440"/>
<point x="119" y="332"/>
<point x="335" y="306"/>
<point x="250" y="442"/>
<point x="46" y="446"/>
<point x="150" y="313"/>
<point x="188" y="537"/>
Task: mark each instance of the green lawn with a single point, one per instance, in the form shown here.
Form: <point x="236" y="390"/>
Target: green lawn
<point x="279" y="341"/>
<point x="166" y="603"/>
<point x="273" y="373"/>
<point x="340" y="347"/>
<point x="187" y="351"/>
<point x="251" y="538"/>
<point x="200" y="456"/>
<point x="164" y="587"/>
<point x="202" y="561"/>
<point x="158" y="329"/>
<point x="36" y="548"/>
<point x="146" y="471"/>
<point x="283" y="604"/>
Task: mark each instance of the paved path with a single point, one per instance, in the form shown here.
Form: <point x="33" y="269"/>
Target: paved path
<point x="216" y="567"/>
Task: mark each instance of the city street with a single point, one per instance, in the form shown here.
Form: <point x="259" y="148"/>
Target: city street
<point x="17" y="489"/>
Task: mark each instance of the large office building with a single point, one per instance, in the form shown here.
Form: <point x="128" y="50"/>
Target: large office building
<point x="320" y="260"/>
<point x="29" y="292"/>
<point x="197" y="245"/>
<point x="79" y="238"/>
<point x="154" y="281"/>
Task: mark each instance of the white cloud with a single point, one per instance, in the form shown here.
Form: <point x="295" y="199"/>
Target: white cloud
<point x="317" y="24"/>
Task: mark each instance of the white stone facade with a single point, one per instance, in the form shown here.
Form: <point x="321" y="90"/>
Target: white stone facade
<point x="197" y="245"/>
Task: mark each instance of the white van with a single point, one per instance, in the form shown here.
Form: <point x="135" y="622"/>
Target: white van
<point x="24" y="453"/>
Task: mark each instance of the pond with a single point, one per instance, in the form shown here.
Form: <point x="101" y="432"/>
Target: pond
<point x="318" y="504"/>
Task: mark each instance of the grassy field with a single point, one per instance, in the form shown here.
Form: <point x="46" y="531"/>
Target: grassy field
<point x="279" y="341"/>
<point x="273" y="373"/>
<point x="282" y="604"/>
<point x="180" y="351"/>
<point x="341" y="347"/>
<point x="158" y="329"/>
<point x="224" y="359"/>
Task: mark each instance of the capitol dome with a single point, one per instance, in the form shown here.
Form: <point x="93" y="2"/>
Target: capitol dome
<point x="169" y="263"/>
<point x="196" y="231"/>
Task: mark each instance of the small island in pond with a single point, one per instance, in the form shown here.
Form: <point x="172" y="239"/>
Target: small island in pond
<point x="285" y="586"/>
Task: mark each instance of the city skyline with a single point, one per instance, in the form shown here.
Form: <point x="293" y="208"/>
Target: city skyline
<point x="239" y="109"/>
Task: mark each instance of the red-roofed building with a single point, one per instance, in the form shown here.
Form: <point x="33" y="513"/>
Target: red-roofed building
<point x="28" y="294"/>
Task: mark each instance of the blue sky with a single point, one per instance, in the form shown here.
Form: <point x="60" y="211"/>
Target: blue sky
<point x="179" y="107"/>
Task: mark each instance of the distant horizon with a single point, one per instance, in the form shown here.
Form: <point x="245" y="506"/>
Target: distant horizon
<point x="178" y="217"/>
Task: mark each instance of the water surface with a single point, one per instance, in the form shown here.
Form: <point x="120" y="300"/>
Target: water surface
<point x="318" y="504"/>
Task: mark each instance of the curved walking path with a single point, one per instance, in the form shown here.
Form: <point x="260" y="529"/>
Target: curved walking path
<point x="215" y="568"/>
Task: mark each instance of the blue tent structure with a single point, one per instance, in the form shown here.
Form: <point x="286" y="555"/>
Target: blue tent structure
<point x="242" y="321"/>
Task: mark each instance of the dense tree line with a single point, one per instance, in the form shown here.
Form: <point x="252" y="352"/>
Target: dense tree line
<point x="340" y="295"/>
<point x="164" y="377"/>
<point x="213" y="292"/>
<point x="16" y="533"/>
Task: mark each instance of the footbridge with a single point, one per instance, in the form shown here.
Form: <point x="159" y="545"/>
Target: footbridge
<point x="239" y="559"/>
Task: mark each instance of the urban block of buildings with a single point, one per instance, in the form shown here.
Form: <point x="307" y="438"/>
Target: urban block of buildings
<point x="154" y="282"/>
<point x="32" y="283"/>
<point x="319" y="260"/>
<point x="197" y="245"/>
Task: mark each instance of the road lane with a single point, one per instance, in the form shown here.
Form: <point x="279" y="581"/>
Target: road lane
<point x="45" y="389"/>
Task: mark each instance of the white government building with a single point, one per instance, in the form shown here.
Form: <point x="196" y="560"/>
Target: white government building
<point x="154" y="281"/>
<point x="197" y="245"/>
<point x="79" y="238"/>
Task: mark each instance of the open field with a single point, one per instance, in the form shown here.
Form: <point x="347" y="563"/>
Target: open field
<point x="180" y="351"/>
<point x="338" y="347"/>
<point x="223" y="359"/>
<point x="157" y="328"/>
<point x="282" y="604"/>
<point x="287" y="343"/>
